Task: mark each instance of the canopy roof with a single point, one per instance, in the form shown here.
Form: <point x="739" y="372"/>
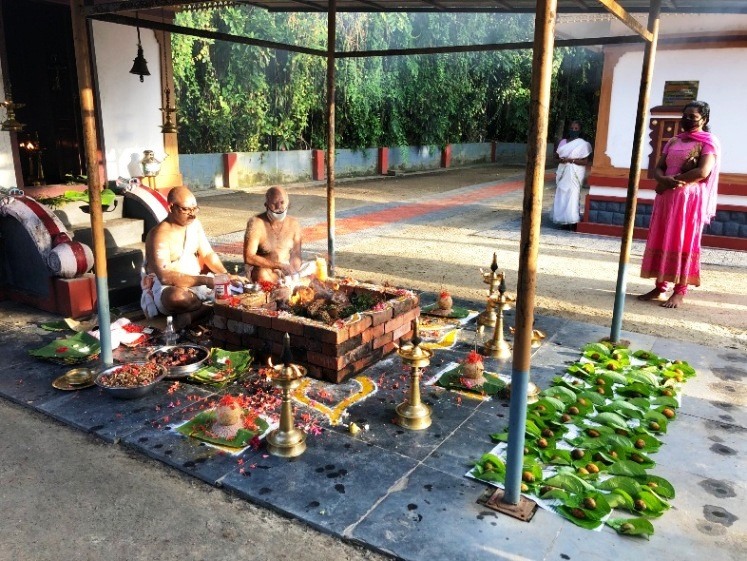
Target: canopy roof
<point x="494" y="6"/>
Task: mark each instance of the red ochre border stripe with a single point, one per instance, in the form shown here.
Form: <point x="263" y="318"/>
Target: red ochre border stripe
<point x="391" y="215"/>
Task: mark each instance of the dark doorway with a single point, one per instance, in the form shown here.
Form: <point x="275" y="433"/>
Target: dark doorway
<point x="41" y="70"/>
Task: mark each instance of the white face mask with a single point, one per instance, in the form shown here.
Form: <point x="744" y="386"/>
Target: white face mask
<point x="276" y="216"/>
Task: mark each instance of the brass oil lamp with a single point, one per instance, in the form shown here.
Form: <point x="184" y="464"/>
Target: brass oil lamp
<point x="488" y="317"/>
<point x="11" y="124"/>
<point x="412" y="413"/>
<point x="287" y="441"/>
<point x="497" y="347"/>
<point x="168" y="126"/>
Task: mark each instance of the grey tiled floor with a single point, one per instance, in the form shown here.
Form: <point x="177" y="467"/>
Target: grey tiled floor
<point x="404" y="493"/>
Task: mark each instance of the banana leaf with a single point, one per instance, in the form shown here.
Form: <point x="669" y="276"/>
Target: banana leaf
<point x="456" y="312"/>
<point x="198" y="428"/>
<point x="224" y="368"/>
<point x="107" y="196"/>
<point x="452" y="380"/>
<point x="75" y="349"/>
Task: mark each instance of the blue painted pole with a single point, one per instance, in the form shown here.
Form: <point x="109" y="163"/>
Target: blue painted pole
<point x="544" y="38"/>
<point x="634" y="176"/>
<point x="105" y="330"/>
<point x="517" y="415"/>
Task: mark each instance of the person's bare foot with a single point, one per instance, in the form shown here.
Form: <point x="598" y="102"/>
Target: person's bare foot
<point x="654" y="294"/>
<point x="184" y="320"/>
<point x="674" y="301"/>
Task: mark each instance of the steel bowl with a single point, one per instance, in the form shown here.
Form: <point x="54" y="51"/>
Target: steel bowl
<point x="127" y="393"/>
<point x="181" y="370"/>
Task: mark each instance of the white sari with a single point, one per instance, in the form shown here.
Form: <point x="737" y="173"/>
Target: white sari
<point x="569" y="178"/>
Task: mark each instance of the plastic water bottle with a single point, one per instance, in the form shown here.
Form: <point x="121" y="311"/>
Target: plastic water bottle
<point x="221" y="284"/>
<point x="169" y="333"/>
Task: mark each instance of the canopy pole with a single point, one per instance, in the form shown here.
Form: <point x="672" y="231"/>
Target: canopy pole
<point x="649" y="54"/>
<point x="81" y="40"/>
<point x="331" y="28"/>
<point x="544" y="37"/>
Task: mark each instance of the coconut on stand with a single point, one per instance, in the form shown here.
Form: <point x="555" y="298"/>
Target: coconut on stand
<point x="229" y="418"/>
<point x="473" y="369"/>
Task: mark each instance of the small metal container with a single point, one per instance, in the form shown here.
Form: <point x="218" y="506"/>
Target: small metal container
<point x="79" y="376"/>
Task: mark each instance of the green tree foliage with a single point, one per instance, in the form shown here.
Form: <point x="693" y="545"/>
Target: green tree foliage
<point x="234" y="97"/>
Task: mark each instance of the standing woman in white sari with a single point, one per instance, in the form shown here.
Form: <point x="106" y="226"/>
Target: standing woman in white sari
<point x="573" y="154"/>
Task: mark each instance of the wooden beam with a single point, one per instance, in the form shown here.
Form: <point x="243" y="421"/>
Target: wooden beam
<point x="133" y="5"/>
<point x="331" y="39"/>
<point x="583" y="42"/>
<point x="205" y="33"/>
<point x="588" y="42"/>
<point x="634" y="176"/>
<point x="526" y="287"/>
<point x="619" y="12"/>
<point x="83" y="61"/>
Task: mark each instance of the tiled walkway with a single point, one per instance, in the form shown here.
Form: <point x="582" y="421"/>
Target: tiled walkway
<point x="377" y="215"/>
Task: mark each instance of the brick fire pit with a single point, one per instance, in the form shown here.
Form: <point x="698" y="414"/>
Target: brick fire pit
<point x="329" y="352"/>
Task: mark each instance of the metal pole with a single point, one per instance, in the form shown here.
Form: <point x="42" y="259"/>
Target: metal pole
<point x="81" y="39"/>
<point x="544" y="35"/>
<point x="649" y="54"/>
<point x="331" y="24"/>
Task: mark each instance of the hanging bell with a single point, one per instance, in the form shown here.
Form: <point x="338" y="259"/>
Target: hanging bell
<point x="139" y="64"/>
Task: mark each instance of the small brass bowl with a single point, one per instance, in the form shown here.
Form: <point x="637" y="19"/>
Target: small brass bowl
<point x="79" y="376"/>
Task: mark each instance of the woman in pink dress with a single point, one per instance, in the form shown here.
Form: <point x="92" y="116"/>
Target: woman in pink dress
<point x="687" y="179"/>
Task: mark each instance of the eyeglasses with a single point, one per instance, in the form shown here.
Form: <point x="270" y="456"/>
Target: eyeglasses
<point x="188" y="209"/>
<point x="692" y="117"/>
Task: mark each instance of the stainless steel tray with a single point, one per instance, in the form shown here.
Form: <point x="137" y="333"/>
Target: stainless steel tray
<point x="181" y="370"/>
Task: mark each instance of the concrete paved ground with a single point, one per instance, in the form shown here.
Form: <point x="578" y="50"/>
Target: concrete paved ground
<point x="96" y="495"/>
<point x="99" y="494"/>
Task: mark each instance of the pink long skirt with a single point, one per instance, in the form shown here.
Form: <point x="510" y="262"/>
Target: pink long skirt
<point x="673" y="246"/>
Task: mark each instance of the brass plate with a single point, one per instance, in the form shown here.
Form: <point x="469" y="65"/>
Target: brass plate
<point x="63" y="383"/>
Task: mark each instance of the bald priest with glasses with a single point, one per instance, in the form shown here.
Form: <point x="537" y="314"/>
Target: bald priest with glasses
<point x="180" y="263"/>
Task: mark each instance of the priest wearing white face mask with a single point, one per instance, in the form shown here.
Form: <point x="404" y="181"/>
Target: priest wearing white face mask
<point x="272" y="242"/>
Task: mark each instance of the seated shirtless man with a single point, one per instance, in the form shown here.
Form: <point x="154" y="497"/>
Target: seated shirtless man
<point x="272" y="243"/>
<point x="177" y="251"/>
